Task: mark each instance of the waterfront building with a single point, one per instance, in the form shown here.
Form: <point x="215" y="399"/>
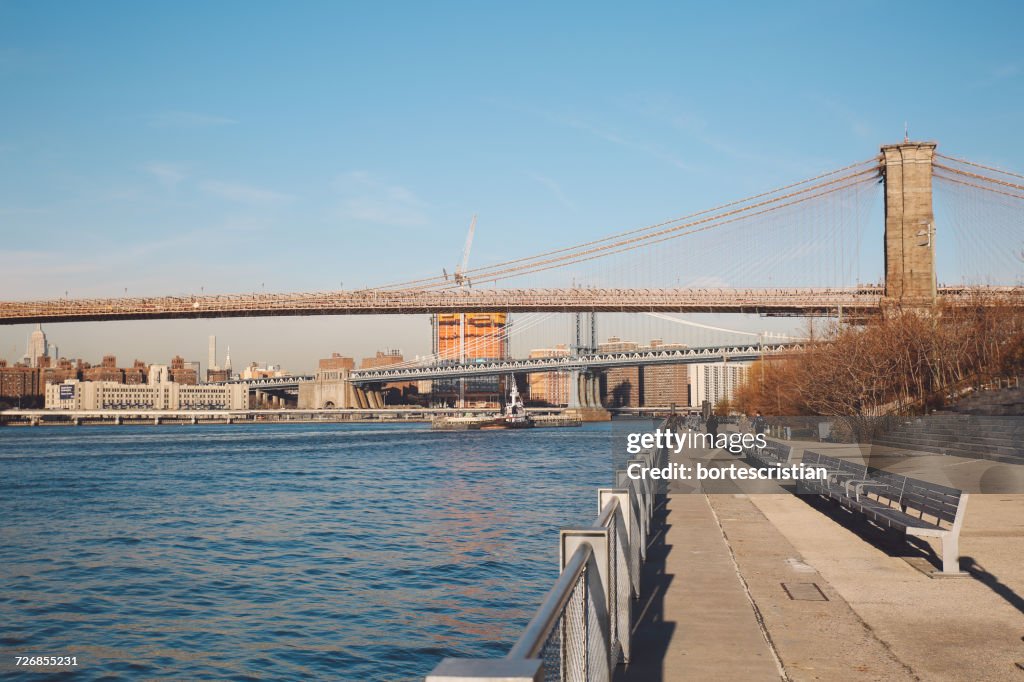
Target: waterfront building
<point x="109" y="395"/>
<point x="666" y="385"/>
<point x="19" y="384"/>
<point x="330" y="387"/>
<point x="552" y="388"/>
<point x="648" y="386"/>
<point x="622" y="385"/>
<point x="717" y="381"/>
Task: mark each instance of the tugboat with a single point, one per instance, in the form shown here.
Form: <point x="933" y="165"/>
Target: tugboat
<point x="515" y="416"/>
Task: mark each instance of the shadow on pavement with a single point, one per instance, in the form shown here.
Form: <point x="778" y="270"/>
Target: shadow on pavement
<point x="651" y="632"/>
<point x="992" y="582"/>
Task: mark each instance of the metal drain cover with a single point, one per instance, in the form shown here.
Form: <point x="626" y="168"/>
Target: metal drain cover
<point x="804" y="592"/>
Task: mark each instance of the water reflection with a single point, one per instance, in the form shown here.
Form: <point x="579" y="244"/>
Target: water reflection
<point x="273" y="551"/>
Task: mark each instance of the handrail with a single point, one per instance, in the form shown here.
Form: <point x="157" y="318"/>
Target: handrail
<point x="543" y="622"/>
<point x="608" y="512"/>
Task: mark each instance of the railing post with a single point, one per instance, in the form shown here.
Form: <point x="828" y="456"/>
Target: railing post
<point x="570" y="540"/>
<point x="605" y="495"/>
<point x="622" y="580"/>
<point x="643" y="491"/>
<point x="597" y="538"/>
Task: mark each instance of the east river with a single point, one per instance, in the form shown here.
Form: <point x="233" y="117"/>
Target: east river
<point x="348" y="552"/>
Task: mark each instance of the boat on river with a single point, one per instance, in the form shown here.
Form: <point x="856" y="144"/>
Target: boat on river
<point x="514" y="416"/>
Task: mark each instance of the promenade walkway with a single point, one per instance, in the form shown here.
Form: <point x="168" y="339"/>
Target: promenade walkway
<point x="742" y="585"/>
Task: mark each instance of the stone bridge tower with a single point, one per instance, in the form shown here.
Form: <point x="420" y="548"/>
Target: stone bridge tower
<point x="909" y="224"/>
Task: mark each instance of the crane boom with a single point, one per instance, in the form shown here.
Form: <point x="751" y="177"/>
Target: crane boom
<point x="459" y="271"/>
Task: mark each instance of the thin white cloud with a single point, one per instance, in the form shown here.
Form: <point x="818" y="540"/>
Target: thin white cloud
<point x="169" y="175"/>
<point x="32" y="271"/>
<point x="244" y="194"/>
<point x="555" y="189"/>
<point x="604" y="134"/>
<point x="622" y="141"/>
<point x="369" y="199"/>
<point x="188" y="119"/>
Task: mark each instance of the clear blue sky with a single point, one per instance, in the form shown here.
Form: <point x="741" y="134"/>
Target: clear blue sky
<point x="161" y="147"/>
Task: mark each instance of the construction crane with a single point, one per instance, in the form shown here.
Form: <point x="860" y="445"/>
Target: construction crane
<point x="460" y="271"/>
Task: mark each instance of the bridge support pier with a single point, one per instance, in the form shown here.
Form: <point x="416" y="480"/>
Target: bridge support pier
<point x="909" y="224"/>
<point x="375" y="401"/>
<point x="584" y="397"/>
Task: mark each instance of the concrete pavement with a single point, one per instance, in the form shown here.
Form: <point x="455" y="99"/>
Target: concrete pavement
<point x="769" y="586"/>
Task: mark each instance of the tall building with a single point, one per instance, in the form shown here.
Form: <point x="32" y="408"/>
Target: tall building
<point x="19" y="385"/>
<point x="622" y="385"/>
<point x="469" y="336"/>
<point x="211" y="363"/>
<point x="37" y="346"/>
<point x="550" y="387"/>
<point x="716" y="381"/>
<point x="647" y="386"/>
<point x="183" y="372"/>
<point x="666" y="385"/>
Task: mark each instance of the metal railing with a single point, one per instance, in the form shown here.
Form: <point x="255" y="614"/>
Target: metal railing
<point x="583" y="628"/>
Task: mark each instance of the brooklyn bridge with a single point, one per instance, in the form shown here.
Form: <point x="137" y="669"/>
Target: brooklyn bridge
<point x="646" y="269"/>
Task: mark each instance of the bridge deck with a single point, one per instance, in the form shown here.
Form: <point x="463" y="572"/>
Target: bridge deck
<point x="807" y="301"/>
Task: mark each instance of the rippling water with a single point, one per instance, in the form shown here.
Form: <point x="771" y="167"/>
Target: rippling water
<point x="281" y="551"/>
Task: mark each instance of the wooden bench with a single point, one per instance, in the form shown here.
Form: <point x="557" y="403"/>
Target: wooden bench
<point x="908" y="505"/>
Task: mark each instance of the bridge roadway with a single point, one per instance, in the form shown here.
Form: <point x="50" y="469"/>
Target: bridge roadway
<point x="773" y="302"/>
<point x="577" y="363"/>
